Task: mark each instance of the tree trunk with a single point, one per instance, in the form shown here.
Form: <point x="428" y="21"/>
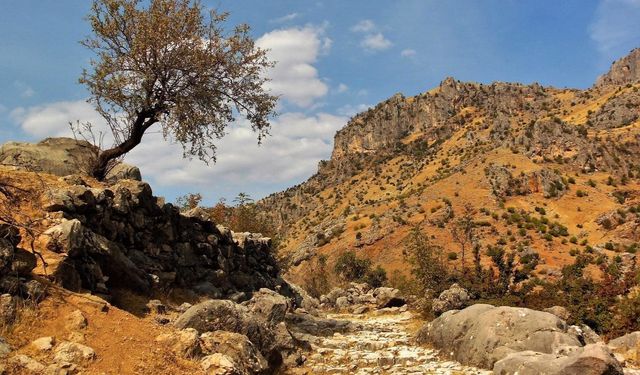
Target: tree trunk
<point x="105" y="157"/>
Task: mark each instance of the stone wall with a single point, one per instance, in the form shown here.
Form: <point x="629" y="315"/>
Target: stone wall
<point x="122" y="236"/>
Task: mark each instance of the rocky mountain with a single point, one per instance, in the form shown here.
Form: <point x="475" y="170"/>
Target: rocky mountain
<point x="545" y="170"/>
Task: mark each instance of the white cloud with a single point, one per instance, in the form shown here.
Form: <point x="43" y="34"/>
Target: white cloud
<point x="376" y="42"/>
<point x="24" y="90"/>
<point x="52" y="120"/>
<point x="364" y="26"/>
<point x="296" y="50"/>
<point x="615" y="27"/>
<point x="296" y="144"/>
<point x="286" y="18"/>
<point x="342" y="88"/>
<point x="408" y="52"/>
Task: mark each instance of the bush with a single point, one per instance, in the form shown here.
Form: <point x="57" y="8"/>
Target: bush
<point x="452" y="255"/>
<point x="350" y="267"/>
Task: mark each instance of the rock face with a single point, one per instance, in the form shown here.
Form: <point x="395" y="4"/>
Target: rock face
<point x="123" y="236"/>
<point x="454" y="298"/>
<point x="594" y="359"/>
<point x="623" y="71"/>
<point x="358" y="295"/>
<point x="481" y="334"/>
<point x="61" y="157"/>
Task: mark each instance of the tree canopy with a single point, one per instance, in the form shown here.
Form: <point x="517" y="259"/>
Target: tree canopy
<point x="171" y="64"/>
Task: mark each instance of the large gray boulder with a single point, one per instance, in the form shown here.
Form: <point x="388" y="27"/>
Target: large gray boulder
<point x="236" y="347"/>
<point x="269" y="305"/>
<point x="482" y="334"/>
<point x="593" y="359"/>
<point x="60" y="157"/>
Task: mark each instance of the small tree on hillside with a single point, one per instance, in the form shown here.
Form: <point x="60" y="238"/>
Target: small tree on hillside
<point x="426" y="259"/>
<point x="168" y="64"/>
<point x="462" y="231"/>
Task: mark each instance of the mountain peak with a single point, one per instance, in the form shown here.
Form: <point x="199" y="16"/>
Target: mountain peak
<point x="623" y="71"/>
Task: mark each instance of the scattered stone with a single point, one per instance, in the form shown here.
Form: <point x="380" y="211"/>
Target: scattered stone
<point x="27" y="363"/>
<point x="5" y="348"/>
<point x="43" y="343"/>
<point x="237" y="348"/>
<point x="156" y="307"/>
<point x="219" y="364"/>
<point x="72" y="352"/>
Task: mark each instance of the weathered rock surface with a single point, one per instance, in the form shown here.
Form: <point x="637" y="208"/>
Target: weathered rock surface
<point x="61" y="157"/>
<point x="593" y="359"/>
<point x="454" y="298"/>
<point x="481" y="334"/>
<point x="245" y="356"/>
<point x="358" y="294"/>
<point x="623" y="71"/>
<point x="122" y="236"/>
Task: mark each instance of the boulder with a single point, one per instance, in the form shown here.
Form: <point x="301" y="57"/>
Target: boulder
<point x="27" y="363"/>
<point x="593" y="359"/>
<point x="220" y="364"/>
<point x="185" y="343"/>
<point x="480" y="335"/>
<point x="43" y="344"/>
<point x="316" y="326"/>
<point x="246" y="357"/>
<point x="269" y="305"/>
<point x="388" y="297"/>
<point x="454" y="298"/>
<point x="122" y="171"/>
<point x="76" y="321"/>
<point x="627" y="346"/>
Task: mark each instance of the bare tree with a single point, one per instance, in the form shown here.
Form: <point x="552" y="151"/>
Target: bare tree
<point x="462" y="231"/>
<point x="168" y="64"/>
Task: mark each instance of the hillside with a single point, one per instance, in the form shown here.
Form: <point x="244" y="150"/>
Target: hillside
<point x="541" y="169"/>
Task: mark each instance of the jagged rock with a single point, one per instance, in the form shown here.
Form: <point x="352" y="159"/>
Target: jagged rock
<point x="76" y="321"/>
<point x="61" y="369"/>
<point x="559" y="311"/>
<point x="388" y="297"/>
<point x="269" y="305"/>
<point x="480" y="335"/>
<point x="342" y="302"/>
<point x="43" y="343"/>
<point x="184" y="343"/>
<point x="27" y="363"/>
<point x="122" y="171"/>
<point x="73" y="352"/>
<point x="593" y="359"/>
<point x="623" y="71"/>
<point x="237" y="347"/>
<point x="220" y="364"/>
<point x="454" y="298"/>
<point x="585" y="334"/>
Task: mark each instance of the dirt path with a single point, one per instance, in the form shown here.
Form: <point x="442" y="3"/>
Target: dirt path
<point x="381" y="345"/>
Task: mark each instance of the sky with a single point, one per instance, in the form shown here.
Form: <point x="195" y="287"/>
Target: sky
<point x="334" y="58"/>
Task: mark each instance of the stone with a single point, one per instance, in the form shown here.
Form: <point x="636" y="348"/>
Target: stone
<point x="25" y="362"/>
<point x="237" y="347"/>
<point x="219" y="364"/>
<point x="559" y="311"/>
<point x="43" y="344"/>
<point x="388" y="297"/>
<point x="23" y="262"/>
<point x="156" y="307"/>
<point x="76" y="321"/>
<point x="454" y="298"/>
<point x="480" y="335"/>
<point x="593" y="359"/>
<point x="184" y="343"/>
<point x="72" y="352"/>
<point x="123" y="171"/>
<point x="627" y="347"/>
<point x="268" y="304"/>
<point x="342" y="302"/>
<point x="35" y="290"/>
<point x="61" y="369"/>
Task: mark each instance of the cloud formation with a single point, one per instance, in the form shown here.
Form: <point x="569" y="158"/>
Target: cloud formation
<point x="52" y="120"/>
<point x="408" y="52"/>
<point x="373" y="39"/>
<point x="295" y="50"/>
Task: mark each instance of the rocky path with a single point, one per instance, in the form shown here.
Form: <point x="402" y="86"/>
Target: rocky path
<point x="381" y="345"/>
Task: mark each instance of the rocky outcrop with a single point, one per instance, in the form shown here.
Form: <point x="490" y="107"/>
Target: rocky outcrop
<point x="623" y="71"/>
<point x="454" y="298"/>
<point x="360" y="295"/>
<point x="123" y="236"/>
<point x="60" y="157"/>
<point x="594" y="359"/>
<point x="261" y="320"/>
<point x="627" y="347"/>
<point x="481" y="334"/>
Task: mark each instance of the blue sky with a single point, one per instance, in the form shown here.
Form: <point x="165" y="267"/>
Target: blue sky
<point x="335" y="58"/>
